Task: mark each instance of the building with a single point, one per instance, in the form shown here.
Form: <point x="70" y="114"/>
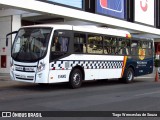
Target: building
<point x="140" y="17"/>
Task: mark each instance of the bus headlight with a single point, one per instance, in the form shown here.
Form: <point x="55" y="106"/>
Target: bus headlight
<point x="11" y="65"/>
<point x="41" y="67"/>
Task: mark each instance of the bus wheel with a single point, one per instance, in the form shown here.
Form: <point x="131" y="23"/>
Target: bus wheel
<point x="75" y="78"/>
<point x="129" y="75"/>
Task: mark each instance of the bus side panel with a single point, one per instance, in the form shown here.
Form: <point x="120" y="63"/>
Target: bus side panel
<point x="56" y="76"/>
<point x="60" y="70"/>
<point x="150" y="64"/>
<point x="141" y="67"/>
<point x="144" y="66"/>
<point x="95" y="67"/>
<point x="94" y="74"/>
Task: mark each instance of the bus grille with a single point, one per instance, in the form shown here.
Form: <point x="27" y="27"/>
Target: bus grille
<point x="23" y="77"/>
<point x="25" y="68"/>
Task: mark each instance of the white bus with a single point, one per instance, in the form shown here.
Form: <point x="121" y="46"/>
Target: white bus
<point x="64" y="53"/>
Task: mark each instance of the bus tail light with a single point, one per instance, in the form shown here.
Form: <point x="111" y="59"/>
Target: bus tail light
<point x="128" y="35"/>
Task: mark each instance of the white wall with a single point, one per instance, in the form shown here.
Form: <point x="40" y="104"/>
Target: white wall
<point x="16" y="24"/>
<point x="5" y="27"/>
<point x="7" y="24"/>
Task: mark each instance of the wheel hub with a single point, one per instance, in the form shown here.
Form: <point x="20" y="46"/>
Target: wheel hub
<point x="130" y="75"/>
<point x="76" y="79"/>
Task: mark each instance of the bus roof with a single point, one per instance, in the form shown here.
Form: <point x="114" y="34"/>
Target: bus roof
<point x="140" y="37"/>
<point x="50" y="25"/>
<point x="86" y="28"/>
<point x="101" y="30"/>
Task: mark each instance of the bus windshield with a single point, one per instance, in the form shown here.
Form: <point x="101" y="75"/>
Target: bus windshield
<point x="31" y="44"/>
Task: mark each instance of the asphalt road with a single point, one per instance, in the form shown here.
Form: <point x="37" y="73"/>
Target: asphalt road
<point x="141" y="95"/>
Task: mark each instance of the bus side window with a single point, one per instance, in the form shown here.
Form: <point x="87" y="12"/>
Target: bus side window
<point x="147" y="46"/>
<point x="150" y="48"/>
<point x="134" y="47"/>
<point x="111" y="45"/>
<point x="80" y="43"/>
<point x="60" y="44"/>
<point x="95" y="44"/>
<point x="107" y="48"/>
<point x="64" y="44"/>
<point x="55" y="44"/>
<point x="125" y="47"/>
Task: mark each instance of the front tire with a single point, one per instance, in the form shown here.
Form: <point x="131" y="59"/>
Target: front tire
<point x="75" y="79"/>
<point x="128" y="75"/>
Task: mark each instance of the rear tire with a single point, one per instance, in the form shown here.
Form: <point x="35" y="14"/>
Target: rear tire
<point x="128" y="75"/>
<point x="75" y="79"/>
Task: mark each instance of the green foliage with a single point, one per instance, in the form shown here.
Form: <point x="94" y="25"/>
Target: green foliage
<point x="157" y="63"/>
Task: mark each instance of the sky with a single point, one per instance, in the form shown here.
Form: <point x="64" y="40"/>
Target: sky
<point x="74" y="3"/>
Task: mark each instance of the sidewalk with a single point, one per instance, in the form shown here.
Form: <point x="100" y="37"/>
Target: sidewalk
<point x="5" y="80"/>
<point x="4" y="74"/>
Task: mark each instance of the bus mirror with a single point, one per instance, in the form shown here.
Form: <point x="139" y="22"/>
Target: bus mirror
<point x="7" y="41"/>
<point x="14" y="32"/>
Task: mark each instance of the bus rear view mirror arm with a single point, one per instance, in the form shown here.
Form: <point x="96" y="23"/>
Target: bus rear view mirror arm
<point x="14" y="32"/>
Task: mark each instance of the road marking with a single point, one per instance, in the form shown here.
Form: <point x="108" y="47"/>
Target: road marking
<point x="148" y="93"/>
<point x="144" y="77"/>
